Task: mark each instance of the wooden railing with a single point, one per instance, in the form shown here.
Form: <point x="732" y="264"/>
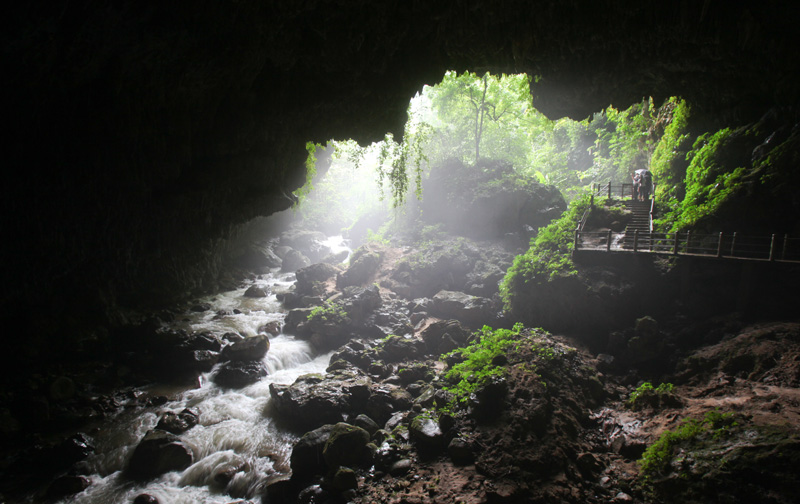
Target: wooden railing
<point x="721" y="245"/>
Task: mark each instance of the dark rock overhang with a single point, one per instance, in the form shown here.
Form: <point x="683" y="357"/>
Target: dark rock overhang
<point x="142" y="131"/>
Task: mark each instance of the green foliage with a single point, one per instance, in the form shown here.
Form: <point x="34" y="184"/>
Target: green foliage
<point x="477" y="366"/>
<point x="668" y="163"/>
<point x="327" y="314"/>
<point x="657" y="457"/>
<point x="311" y="172"/>
<point x="709" y="179"/>
<point x="646" y="394"/>
<point x="548" y="257"/>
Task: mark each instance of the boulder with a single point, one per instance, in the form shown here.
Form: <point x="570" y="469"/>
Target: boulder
<point x="306" y="458"/>
<point x="238" y="374"/>
<point x="426" y="434"/>
<point x="310" y="275"/>
<point x="273" y="328"/>
<point x="294" y="260"/>
<point x="249" y="349"/>
<point x="359" y="302"/>
<point x="465" y="307"/>
<point x="397" y="348"/>
<point x="157" y="453"/>
<point x="315" y="400"/>
<point x="346" y="446"/>
<point x="145" y="499"/>
<point x="177" y="423"/>
<point x="255" y="291"/>
<point x="344" y="479"/>
<point x="296" y="322"/>
<point x="364" y="263"/>
<point x="258" y="258"/>
<point x="310" y="243"/>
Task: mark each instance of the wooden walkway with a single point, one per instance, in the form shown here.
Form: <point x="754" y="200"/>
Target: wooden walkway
<point x="773" y="247"/>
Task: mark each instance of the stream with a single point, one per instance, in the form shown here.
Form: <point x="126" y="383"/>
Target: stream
<point x="235" y="433"/>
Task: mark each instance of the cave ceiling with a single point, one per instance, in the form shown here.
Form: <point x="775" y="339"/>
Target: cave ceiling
<point x="147" y="127"/>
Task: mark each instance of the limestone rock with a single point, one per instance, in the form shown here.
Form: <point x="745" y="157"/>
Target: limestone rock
<point x="249" y="349"/>
<point x="157" y="453"/>
<point x="346" y="446"/>
<point x="238" y="374"/>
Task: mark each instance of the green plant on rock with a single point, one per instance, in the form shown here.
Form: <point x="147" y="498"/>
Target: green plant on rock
<point x="548" y="257"/>
<point x="329" y="313"/>
<point x="479" y="361"/>
<point x="647" y="395"/>
<point x="658" y="457"/>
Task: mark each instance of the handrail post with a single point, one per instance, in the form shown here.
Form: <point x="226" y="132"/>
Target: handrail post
<point x="785" y="244"/>
<point x="772" y="248"/>
<point x="635" y="240"/>
<point x="719" y="245"/>
<point x="575" y="242"/>
<point x="733" y="244"/>
<point x="651" y="240"/>
<point x="675" y="246"/>
<point x="609" y="189"/>
<point x="608" y="242"/>
<point x="688" y="237"/>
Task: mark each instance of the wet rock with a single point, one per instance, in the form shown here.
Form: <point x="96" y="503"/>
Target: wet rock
<point x="306" y="241"/>
<point x="460" y="452"/>
<point x="306" y="458"/>
<point x="426" y="434"/>
<point x="273" y="328"/>
<point x="359" y="302"/>
<point x="66" y="486"/>
<point x="178" y="423"/>
<point x="258" y="258"/>
<point x="441" y="336"/>
<point x="314" y="400"/>
<point x="310" y="275"/>
<point x="367" y="424"/>
<point x="238" y="374"/>
<point x="255" y="291"/>
<point x="398" y="348"/>
<point x="336" y="258"/>
<point x="296" y="322"/>
<point x="345" y="479"/>
<point x="401" y="467"/>
<point x="72" y="450"/>
<point x="364" y="263"/>
<point x="346" y="446"/>
<point x="232" y="337"/>
<point x="157" y="453"/>
<point x="249" y="349"/>
<point x="294" y="260"/>
<point x="145" y="499"/>
<point x="464" y="307"/>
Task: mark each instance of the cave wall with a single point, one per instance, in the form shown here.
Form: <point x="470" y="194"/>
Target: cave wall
<point x="141" y="134"/>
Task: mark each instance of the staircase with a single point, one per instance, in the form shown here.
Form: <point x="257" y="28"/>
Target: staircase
<point x="640" y="222"/>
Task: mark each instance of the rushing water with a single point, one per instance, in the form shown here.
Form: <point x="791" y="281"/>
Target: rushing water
<point x="235" y="433"/>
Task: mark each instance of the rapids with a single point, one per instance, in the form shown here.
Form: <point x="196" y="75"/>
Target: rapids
<point x="236" y="432"/>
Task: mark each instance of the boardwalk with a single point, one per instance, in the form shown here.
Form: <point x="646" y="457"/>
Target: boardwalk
<point x="640" y="238"/>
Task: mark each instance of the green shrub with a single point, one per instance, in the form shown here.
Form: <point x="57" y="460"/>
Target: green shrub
<point x="548" y="257"/>
<point x="329" y="313"/>
<point x="478" y="365"/>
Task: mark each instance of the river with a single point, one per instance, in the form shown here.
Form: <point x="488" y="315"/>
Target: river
<point x="236" y="431"/>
